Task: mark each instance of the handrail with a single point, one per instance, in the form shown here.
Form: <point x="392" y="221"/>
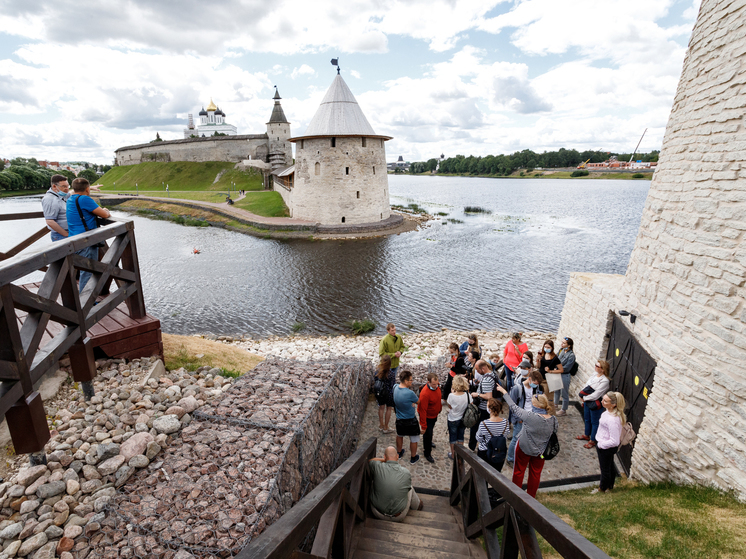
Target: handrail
<point x="520" y="514"/>
<point x="281" y="539"/>
<point x="23" y="358"/>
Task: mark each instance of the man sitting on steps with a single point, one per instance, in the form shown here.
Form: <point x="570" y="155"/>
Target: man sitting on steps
<point x="391" y="494"/>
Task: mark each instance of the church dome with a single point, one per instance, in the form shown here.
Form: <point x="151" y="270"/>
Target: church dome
<point x="203" y="112"/>
<point x="212" y="106"/>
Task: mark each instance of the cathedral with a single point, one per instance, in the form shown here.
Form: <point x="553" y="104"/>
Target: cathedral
<point x="211" y="121"/>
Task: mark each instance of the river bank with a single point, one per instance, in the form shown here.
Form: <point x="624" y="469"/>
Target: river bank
<point x="558" y="174"/>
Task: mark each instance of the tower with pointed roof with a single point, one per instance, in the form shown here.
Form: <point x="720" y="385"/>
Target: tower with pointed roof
<point x="278" y="132"/>
<point x="339" y="175"/>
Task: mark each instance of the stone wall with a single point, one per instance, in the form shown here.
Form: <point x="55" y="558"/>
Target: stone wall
<point x="351" y="182"/>
<point x="686" y="275"/>
<point x="217" y="148"/>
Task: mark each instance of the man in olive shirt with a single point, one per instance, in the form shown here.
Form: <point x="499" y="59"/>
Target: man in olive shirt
<point x="391" y="345"/>
<point x="391" y="494"/>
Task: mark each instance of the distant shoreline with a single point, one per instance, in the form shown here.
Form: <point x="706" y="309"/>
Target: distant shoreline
<point x="594" y="175"/>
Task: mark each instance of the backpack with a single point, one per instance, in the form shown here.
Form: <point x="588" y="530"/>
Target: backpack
<point x="553" y="447"/>
<point x="497" y="449"/>
<point x="379" y="387"/>
<point x="574" y="369"/>
<point x="628" y="434"/>
<point x="471" y="415"/>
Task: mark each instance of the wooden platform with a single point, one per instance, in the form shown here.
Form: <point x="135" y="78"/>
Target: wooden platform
<point x="117" y="335"/>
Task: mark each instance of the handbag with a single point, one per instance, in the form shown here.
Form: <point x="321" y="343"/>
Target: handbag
<point x="407" y="427"/>
<point x="553" y="446"/>
<point x="471" y="415"/>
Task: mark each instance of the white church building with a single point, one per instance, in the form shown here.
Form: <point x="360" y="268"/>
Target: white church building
<point x="211" y="120"/>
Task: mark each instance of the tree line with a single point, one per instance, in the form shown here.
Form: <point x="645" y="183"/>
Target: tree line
<point x="526" y="159"/>
<point x="27" y="174"/>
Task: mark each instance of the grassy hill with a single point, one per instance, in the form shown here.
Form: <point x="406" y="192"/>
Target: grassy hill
<point x="180" y="175"/>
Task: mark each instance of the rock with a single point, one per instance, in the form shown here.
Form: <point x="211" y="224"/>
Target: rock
<point x="156" y="371"/>
<point x="139" y="461"/>
<point x="66" y="543"/>
<point x="29" y="506"/>
<point x="27" y="476"/>
<point x="54" y="532"/>
<point x="176" y="410"/>
<point x="12" y="548"/>
<point x="111" y="465"/>
<point x="73" y="485"/>
<point x="106" y="451"/>
<point x="61" y="518"/>
<point x="32" y="544"/>
<point x="51" y="489"/>
<point x="183" y="554"/>
<point x="90" y="472"/>
<point x="72" y="531"/>
<point x="189" y="404"/>
<point x="123" y="474"/>
<point x="136" y="444"/>
<point x="66" y="555"/>
<point x="10" y="532"/>
<point x="167" y="424"/>
<point x="47" y="551"/>
<point x="153" y="449"/>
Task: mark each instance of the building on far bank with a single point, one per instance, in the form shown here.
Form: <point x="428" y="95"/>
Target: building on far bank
<point x="339" y="174"/>
<point x="211" y="121"/>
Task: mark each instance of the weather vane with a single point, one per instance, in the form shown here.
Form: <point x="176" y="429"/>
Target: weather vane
<point x="335" y="62"/>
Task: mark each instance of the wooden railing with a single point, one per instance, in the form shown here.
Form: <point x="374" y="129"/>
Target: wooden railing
<point x="519" y="515"/>
<point x="332" y="505"/>
<point x="23" y="358"/>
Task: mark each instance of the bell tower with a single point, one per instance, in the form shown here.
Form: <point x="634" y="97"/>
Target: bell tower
<point x="278" y="132"/>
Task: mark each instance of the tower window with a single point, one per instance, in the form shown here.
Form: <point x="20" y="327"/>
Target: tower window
<point x="381" y="143"/>
<point x="358" y="194"/>
<point x="301" y="144"/>
<point x="374" y="169"/>
<point x="334" y="142"/>
<point x="343" y="220"/>
<point x="364" y="142"/>
<point x="317" y="168"/>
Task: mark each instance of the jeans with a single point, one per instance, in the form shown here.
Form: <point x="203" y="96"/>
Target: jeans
<point x="535" y="466"/>
<point x="456" y="431"/>
<point x="427" y="437"/>
<point x="57" y="237"/>
<point x="483" y="414"/>
<point x="566" y="378"/>
<point x="591" y="418"/>
<point x="517" y="428"/>
<point x="393" y="372"/>
<point x="92" y="254"/>
<point x="606" y="463"/>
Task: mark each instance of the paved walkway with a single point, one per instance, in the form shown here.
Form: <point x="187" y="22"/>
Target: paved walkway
<point x="572" y="461"/>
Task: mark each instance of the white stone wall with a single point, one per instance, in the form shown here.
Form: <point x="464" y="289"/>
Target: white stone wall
<point x="279" y="136"/>
<point x="687" y="274"/>
<point x="221" y="148"/>
<point x="362" y="196"/>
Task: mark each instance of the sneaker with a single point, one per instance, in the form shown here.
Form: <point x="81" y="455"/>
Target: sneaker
<point x="561" y="413"/>
<point x="433" y="445"/>
<point x="450" y="456"/>
<point x="401" y="453"/>
<point x="430" y="459"/>
<point x="414" y="459"/>
<point x="509" y="463"/>
<point x="596" y="490"/>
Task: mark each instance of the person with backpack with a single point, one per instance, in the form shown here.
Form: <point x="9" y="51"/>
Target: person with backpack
<point x="457" y="401"/>
<point x="592" y="394"/>
<point x="428" y="408"/>
<point x="493" y="446"/>
<point x="538" y="426"/>
<point x="484" y="391"/>
<point x="522" y="394"/>
<point x="383" y="388"/>
<point x="405" y="402"/>
<point x="609" y="437"/>
<point x="567" y="358"/>
<point x="456" y="364"/>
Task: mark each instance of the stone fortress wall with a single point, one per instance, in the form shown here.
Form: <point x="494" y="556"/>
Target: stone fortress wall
<point x="686" y="279"/>
<point x="214" y="148"/>
<point x="352" y="175"/>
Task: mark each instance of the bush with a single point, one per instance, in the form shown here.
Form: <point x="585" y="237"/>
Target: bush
<point x="298" y="326"/>
<point x="638" y="176"/>
<point x="361" y="326"/>
<point x="476" y="210"/>
<point x="580" y="173"/>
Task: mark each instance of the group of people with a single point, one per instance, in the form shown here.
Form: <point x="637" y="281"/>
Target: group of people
<point x="69" y="214"/>
<point x="514" y="404"/>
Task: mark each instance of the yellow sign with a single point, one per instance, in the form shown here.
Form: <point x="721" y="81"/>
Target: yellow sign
<point x="617" y="352"/>
<point x="637" y="381"/>
<point x="645" y="392"/>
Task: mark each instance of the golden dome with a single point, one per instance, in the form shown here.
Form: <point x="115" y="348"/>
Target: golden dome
<point x="211" y="106"/>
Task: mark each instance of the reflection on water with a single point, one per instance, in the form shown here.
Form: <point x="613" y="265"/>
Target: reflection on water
<point x="500" y="270"/>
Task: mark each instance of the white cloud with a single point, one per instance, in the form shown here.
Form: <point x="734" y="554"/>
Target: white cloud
<point x="304" y="70"/>
<point x="355" y="74"/>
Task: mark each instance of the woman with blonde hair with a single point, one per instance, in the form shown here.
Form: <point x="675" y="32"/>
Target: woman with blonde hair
<point x="591" y="397"/>
<point x="538" y="426"/>
<point x="457" y="402"/>
<point x="608" y="437"/>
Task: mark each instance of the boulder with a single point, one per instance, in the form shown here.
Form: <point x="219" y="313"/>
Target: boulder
<point x="189" y="404"/>
<point x="27" y="476"/>
<point x="32" y="544"/>
<point x="111" y="465"/>
<point x="167" y="424"/>
<point x="136" y="444"/>
<point x="51" y="489"/>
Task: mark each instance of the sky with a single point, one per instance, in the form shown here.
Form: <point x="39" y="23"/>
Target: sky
<point x="80" y="78"/>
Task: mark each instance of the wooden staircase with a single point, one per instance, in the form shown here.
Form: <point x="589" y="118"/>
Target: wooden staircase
<point x="435" y="532"/>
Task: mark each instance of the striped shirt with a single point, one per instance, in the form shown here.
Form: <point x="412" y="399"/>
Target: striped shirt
<point x="485" y="387"/>
<point x="495" y="428"/>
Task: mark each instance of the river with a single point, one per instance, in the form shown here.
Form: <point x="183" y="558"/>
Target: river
<point x="505" y="270"/>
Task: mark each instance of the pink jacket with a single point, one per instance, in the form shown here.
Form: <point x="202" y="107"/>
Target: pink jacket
<point x="609" y="431"/>
<point x="511" y="357"/>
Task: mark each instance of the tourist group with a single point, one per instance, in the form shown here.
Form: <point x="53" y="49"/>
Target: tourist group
<point x="499" y="398"/>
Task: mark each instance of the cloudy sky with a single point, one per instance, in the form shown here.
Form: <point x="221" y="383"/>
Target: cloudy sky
<point x="79" y="78"/>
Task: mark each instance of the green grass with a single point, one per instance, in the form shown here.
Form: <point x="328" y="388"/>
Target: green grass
<point x="361" y="326"/>
<point x="11" y="193"/>
<point x="298" y="326"/>
<point x="179" y="175"/>
<point x="660" y="521"/>
<point x="199" y="196"/>
<point x="267" y="203"/>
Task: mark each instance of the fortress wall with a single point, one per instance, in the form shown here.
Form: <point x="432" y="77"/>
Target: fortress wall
<point x="333" y="194"/>
<point x="686" y="279"/>
<point x="222" y="148"/>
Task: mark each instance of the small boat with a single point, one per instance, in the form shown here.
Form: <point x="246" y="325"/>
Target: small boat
<point x="196" y="251"/>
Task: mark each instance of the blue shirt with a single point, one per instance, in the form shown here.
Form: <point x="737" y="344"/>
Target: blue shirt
<point x="403" y="400"/>
<point x="87" y="205"/>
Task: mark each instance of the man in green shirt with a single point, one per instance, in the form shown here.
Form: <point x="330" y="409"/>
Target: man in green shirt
<point x="391" y="494"/>
<point x="391" y="345"/>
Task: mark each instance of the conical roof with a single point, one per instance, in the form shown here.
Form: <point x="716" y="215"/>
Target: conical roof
<point x="278" y="115"/>
<point x="339" y="115"/>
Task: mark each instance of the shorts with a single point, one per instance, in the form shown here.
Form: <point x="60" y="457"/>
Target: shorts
<point x="456" y="431"/>
<point x="386" y="400"/>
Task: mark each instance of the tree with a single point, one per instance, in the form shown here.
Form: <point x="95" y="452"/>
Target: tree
<point x="219" y="134"/>
<point x="68" y="174"/>
<point x="89" y="174"/>
<point x="2" y="164"/>
<point x="157" y="138"/>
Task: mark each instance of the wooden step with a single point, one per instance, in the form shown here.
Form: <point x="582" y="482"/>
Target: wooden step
<point x="415" y="539"/>
<point x="392" y="549"/>
<point x="454" y="534"/>
<point x="436" y="516"/>
<point x="440" y="525"/>
<point x="363" y="554"/>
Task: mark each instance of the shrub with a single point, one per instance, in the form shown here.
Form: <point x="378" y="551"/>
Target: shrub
<point x="476" y="210"/>
<point x="298" y="326"/>
<point x="361" y="326"/>
<point x="638" y="176"/>
<point x="580" y="173"/>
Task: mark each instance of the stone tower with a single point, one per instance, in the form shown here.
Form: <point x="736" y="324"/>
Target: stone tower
<point x="340" y="169"/>
<point x="686" y="279"/>
<point x="278" y="132"/>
